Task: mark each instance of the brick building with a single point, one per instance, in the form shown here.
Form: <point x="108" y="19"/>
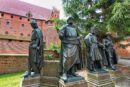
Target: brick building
<point x="15" y="28"/>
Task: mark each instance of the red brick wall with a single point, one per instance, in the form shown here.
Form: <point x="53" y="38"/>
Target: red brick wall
<point x="10" y="64"/>
<point x="18" y="62"/>
<point x="123" y="52"/>
<point x="13" y="47"/>
<point x="21" y="28"/>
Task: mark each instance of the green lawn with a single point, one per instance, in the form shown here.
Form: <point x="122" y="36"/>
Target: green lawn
<point x="10" y="80"/>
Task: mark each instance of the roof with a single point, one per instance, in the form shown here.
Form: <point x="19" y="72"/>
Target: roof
<point x="22" y="8"/>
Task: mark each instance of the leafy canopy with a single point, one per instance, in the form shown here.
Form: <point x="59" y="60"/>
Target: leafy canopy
<point x="107" y="15"/>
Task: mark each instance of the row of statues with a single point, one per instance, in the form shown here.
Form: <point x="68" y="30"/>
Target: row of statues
<point x="98" y="55"/>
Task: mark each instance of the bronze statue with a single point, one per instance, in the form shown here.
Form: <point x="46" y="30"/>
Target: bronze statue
<point x="110" y="51"/>
<point x="35" y="59"/>
<point x="70" y="59"/>
<point x="93" y="56"/>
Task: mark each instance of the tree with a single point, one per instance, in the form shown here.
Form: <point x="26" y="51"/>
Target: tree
<point x="59" y="23"/>
<point x="107" y="15"/>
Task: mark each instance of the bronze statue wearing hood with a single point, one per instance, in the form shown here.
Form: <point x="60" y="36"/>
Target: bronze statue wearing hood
<point x="35" y="59"/>
<point x="93" y="56"/>
<point x="110" y="51"/>
<point x="71" y="57"/>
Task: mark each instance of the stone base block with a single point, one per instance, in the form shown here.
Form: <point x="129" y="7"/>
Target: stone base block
<point x="116" y="74"/>
<point x="99" y="80"/>
<point x="30" y="82"/>
<point x="50" y="68"/>
<point x="49" y="81"/>
<point x="80" y="83"/>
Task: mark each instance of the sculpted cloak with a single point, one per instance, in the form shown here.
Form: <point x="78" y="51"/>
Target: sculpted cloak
<point x="70" y="50"/>
<point x="36" y="51"/>
<point x="92" y="52"/>
<point x="110" y="51"/>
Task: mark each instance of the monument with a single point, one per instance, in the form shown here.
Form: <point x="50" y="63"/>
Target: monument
<point x="97" y="76"/>
<point x="111" y="57"/>
<point x="110" y="51"/>
<point x="35" y="59"/>
<point x="70" y="60"/>
<point x="93" y="56"/>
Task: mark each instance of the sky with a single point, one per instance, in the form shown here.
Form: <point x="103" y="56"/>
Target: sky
<point x="48" y="4"/>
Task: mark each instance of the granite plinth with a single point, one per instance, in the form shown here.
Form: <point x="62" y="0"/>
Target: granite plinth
<point x="99" y="80"/>
<point x="31" y="82"/>
<point x="80" y="83"/>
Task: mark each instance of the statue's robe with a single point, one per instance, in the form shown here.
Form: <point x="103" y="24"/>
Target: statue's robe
<point x="70" y="50"/>
<point x="103" y="54"/>
<point x="92" y="51"/>
<point x="110" y="51"/>
<point x="36" y="51"/>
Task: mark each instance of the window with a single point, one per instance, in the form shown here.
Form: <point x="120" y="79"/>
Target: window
<point x="12" y="16"/>
<point x="28" y="19"/>
<point x="21" y="34"/>
<point x="23" y="25"/>
<point x="20" y="18"/>
<point x="9" y="40"/>
<point x="46" y="22"/>
<point x="6" y="32"/>
<point x="28" y="34"/>
<point x="7" y="23"/>
<point x="2" y="14"/>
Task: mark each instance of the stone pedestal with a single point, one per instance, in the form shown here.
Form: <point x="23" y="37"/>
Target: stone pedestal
<point x="31" y="82"/>
<point x="49" y="81"/>
<point x="117" y="77"/>
<point x="99" y="80"/>
<point x="80" y="83"/>
<point x="116" y="74"/>
<point x="50" y="74"/>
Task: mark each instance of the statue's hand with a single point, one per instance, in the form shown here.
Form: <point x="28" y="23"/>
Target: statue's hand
<point x="34" y="46"/>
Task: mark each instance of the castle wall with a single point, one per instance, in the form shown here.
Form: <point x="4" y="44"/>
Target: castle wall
<point x="18" y="28"/>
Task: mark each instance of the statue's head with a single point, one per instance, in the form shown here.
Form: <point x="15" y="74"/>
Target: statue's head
<point x="93" y="30"/>
<point x="70" y="20"/>
<point x="34" y="24"/>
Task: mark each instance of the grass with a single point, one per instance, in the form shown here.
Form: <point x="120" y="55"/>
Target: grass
<point x="10" y="80"/>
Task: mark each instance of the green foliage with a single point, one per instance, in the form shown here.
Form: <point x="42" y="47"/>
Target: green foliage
<point x="59" y="23"/>
<point x="50" y="56"/>
<point x="55" y="47"/>
<point x="115" y="14"/>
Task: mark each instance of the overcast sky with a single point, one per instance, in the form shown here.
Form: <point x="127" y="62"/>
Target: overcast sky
<point x="48" y="4"/>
